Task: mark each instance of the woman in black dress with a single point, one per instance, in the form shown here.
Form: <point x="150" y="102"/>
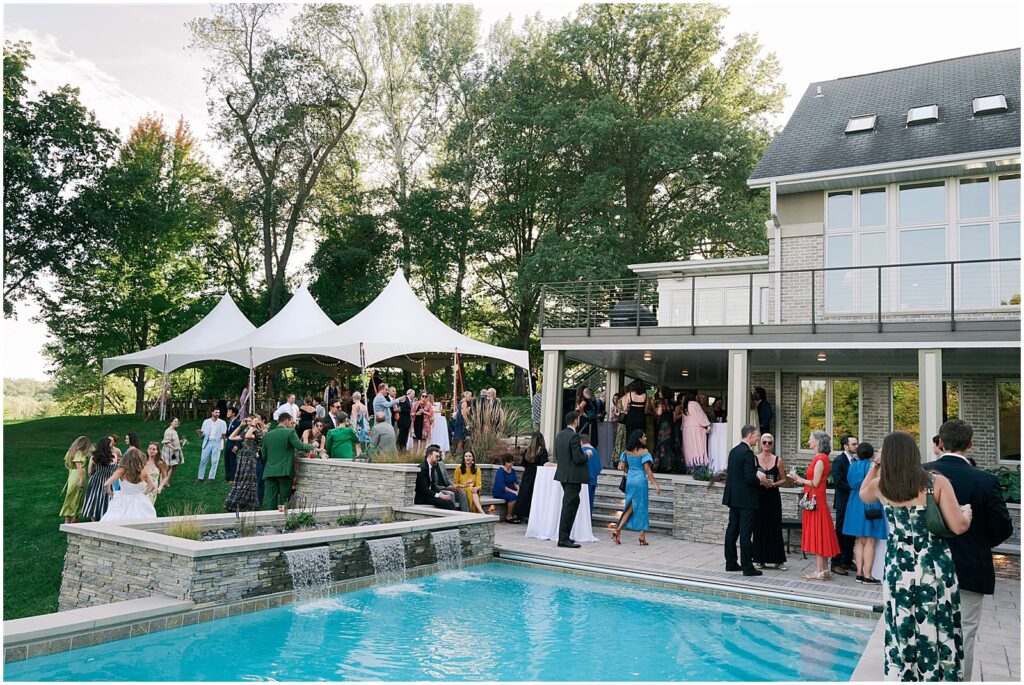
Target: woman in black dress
<point x="635" y="404"/>
<point x="244" y="494"/>
<point x="101" y="467"/>
<point x="768" y="545"/>
<point x="536" y="456"/>
<point x="665" y="452"/>
<point x="307" y="414"/>
<point x="587" y="407"/>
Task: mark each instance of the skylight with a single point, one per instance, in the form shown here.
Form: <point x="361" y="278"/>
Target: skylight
<point x="989" y="104"/>
<point x="865" y="122"/>
<point x="928" y="114"/>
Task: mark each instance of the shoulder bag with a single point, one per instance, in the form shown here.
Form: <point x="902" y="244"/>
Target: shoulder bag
<point x="622" y="483"/>
<point x="933" y="517"/>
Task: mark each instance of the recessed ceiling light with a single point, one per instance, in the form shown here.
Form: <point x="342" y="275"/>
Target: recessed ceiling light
<point x="647" y="356"/>
<point x="685" y="373"/>
<point x="821" y="356"/>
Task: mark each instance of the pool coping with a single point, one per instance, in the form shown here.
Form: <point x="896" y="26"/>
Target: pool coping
<point x="691" y="583"/>
<point x="63" y="631"/>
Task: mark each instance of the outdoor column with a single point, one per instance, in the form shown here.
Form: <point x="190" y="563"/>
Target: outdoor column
<point x="551" y="395"/>
<point x="929" y="397"/>
<point x="612" y="383"/>
<point x="738" y="399"/>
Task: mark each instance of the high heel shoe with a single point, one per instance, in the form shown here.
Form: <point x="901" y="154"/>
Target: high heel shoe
<point x="615" y="536"/>
<point x="643" y="541"/>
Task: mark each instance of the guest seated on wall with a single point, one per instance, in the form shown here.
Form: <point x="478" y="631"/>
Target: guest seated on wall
<point x="506" y="487"/>
<point x="428" y="489"/>
<point x="469" y="477"/>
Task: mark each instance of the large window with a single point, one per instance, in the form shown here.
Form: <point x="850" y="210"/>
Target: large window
<point x="906" y="410"/>
<point x="853" y="220"/>
<point x="1008" y="419"/>
<point x="831" y="405"/>
<point x="989" y="229"/>
<point x="976" y="218"/>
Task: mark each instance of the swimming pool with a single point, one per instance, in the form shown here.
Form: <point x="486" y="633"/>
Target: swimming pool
<point x="490" y="622"/>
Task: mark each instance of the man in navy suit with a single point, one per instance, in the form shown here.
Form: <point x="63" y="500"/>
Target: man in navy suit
<point x="990" y="527"/>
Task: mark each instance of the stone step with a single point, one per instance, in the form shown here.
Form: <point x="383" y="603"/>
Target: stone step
<point x="656" y="525"/>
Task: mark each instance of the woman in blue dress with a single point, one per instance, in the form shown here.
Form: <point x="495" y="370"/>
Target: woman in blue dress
<point x="506" y="487"/>
<point x="857" y="523"/>
<point x="636" y="461"/>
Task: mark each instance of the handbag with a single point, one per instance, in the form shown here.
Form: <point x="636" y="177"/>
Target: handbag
<point x="872" y="513"/>
<point x="933" y="517"/>
<point x="809" y="503"/>
<point x="622" y="483"/>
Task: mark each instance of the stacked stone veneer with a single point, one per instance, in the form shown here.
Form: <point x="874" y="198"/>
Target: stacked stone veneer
<point x="332" y="482"/>
<point x="104" y="564"/>
<point x="700" y="515"/>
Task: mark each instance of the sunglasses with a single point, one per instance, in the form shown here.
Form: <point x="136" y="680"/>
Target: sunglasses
<point x="767" y="442"/>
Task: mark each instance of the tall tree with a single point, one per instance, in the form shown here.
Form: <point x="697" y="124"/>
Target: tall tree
<point x="283" y="106"/>
<point x="142" y="280"/>
<point x="53" y="146"/>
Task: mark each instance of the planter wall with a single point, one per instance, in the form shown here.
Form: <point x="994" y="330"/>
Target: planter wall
<point x="107" y="562"/>
<point x="331" y="482"/>
<point x="1014" y="540"/>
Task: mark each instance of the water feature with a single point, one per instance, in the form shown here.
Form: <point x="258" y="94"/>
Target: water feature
<point x="311" y="571"/>
<point x="388" y="557"/>
<point x="448" y="547"/>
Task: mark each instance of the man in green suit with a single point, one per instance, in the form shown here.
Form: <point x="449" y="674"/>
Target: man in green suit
<point x="278" y="450"/>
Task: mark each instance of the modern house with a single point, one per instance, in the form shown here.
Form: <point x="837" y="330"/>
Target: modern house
<point x="890" y="294"/>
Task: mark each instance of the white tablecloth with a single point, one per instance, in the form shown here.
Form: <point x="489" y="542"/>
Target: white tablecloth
<point x="718" y="447"/>
<point x="546" y="509"/>
<point x="439" y="433"/>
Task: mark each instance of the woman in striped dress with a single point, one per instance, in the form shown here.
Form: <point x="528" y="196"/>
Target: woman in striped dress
<point x="101" y="467"/>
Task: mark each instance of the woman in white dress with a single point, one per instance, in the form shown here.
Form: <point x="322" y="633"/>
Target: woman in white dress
<point x="157" y="470"/>
<point x="130" y="502"/>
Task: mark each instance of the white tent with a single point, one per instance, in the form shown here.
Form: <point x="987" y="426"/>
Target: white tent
<point x="395" y="329"/>
<point x="224" y="322"/>
<point x="300" y="318"/>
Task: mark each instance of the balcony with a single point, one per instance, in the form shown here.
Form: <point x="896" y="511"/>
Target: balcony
<point x="962" y="300"/>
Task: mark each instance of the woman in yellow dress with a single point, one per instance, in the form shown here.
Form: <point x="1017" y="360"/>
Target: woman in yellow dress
<point x="468" y="477"/>
<point x="74" y="461"/>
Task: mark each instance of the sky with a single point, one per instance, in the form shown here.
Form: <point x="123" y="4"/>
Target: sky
<point x="131" y="59"/>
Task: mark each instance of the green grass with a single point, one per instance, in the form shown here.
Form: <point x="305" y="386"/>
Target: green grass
<point x="34" y="474"/>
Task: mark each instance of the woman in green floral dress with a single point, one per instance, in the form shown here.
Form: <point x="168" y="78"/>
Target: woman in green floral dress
<point x="923" y="638"/>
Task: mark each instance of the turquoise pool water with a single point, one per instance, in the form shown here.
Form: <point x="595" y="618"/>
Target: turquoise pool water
<point x="491" y="622"/>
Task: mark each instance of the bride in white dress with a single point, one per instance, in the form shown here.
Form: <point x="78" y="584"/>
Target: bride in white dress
<point x="130" y="502"/>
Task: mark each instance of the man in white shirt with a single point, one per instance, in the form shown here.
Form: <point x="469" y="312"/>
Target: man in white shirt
<point x="289" y="408"/>
<point x="214" y="431"/>
<point x="383" y="403"/>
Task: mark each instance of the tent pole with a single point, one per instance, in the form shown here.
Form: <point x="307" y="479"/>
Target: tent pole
<point x="365" y="382"/>
<point x="103" y="379"/>
<point x="163" y="393"/>
<point x="455" y="380"/>
<point x="252" y="385"/>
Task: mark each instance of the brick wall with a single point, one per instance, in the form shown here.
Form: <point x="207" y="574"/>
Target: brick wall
<point x="800" y="253"/>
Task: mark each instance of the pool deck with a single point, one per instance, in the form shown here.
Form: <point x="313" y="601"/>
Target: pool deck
<point x="997" y="652"/>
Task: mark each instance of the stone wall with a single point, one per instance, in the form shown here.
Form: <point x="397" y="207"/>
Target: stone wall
<point x="333" y="482"/>
<point x="99" y="570"/>
<point x="700" y="515"/>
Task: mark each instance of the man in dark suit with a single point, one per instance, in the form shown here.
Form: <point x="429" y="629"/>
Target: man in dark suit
<point x="428" y="489"/>
<point x="843" y="562"/>
<point x="741" y="496"/>
<point x="990" y="527"/>
<point x="571" y="472"/>
<point x="231" y="447"/>
<point x="405" y="403"/>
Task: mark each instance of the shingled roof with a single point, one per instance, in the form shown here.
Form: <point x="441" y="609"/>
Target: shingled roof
<point x="814" y="139"/>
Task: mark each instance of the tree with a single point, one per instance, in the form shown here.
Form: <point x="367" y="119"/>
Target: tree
<point x="283" y="106"/>
<point x="53" y="146"/>
<point x="151" y="212"/>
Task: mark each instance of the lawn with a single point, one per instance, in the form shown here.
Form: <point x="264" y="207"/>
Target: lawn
<point x="34" y="474"/>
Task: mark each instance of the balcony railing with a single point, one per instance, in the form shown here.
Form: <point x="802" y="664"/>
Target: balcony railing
<point x="949" y="292"/>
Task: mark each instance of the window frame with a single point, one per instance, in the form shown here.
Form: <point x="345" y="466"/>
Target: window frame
<point x="829" y="415"/>
<point x="855" y="231"/>
<point x="995" y="390"/>
<point x="946" y="380"/>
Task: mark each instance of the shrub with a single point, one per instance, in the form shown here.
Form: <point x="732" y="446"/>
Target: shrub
<point x="188" y="526"/>
<point x="353" y="517"/>
<point x="246" y="524"/>
<point x="703" y="473"/>
<point x="396" y="457"/>
<point x="300" y="519"/>
<point x="1009" y="483"/>
<point x="388" y="516"/>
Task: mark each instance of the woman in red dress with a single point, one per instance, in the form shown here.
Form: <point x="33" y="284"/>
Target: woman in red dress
<point x="819" y="534"/>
